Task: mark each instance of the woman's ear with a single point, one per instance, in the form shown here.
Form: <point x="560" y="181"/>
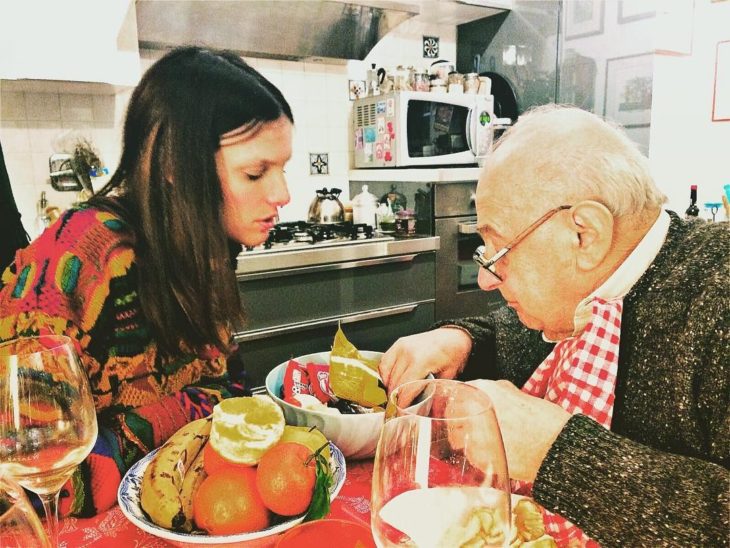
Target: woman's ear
<point x="593" y="224"/>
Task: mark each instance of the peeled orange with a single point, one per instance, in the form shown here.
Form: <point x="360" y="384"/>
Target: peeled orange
<point x="245" y="428"/>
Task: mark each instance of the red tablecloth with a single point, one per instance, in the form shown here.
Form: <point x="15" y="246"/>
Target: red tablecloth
<point x="111" y="528"/>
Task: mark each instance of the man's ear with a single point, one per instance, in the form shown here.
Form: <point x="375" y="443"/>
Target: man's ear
<point x="593" y="224"/>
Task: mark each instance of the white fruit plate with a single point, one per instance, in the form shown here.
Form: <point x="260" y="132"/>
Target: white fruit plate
<point x="128" y="496"/>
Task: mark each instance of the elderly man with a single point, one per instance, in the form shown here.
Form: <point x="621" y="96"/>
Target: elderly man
<point x="613" y="348"/>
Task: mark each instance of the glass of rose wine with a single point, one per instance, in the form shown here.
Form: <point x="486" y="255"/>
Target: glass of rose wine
<point x="20" y="526"/>
<point x="440" y="475"/>
<point x="47" y="417"/>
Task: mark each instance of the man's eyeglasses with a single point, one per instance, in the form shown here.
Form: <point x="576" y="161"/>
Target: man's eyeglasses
<point x="488" y="264"/>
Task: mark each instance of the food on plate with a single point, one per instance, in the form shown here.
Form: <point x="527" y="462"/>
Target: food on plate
<point x="245" y="428"/>
<point x="162" y="483"/>
<point x="478" y="528"/>
<point x="228" y="503"/>
<point x="306" y="435"/>
<point x="348" y="384"/>
<point x="529" y="528"/>
<point x="260" y="472"/>
<point x="353" y="377"/>
<point x="285" y="478"/>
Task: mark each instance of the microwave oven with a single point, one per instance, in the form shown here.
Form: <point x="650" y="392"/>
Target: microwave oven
<point x="422" y="128"/>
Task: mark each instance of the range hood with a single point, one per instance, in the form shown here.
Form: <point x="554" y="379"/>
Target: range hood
<point x="279" y="29"/>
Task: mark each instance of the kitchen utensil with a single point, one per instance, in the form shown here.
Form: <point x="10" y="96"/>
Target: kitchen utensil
<point x="326" y="207"/>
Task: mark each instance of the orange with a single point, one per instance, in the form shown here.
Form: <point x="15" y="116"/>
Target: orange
<point x="284" y="481"/>
<point x="227" y="503"/>
<point x="214" y="462"/>
<point x="245" y="428"/>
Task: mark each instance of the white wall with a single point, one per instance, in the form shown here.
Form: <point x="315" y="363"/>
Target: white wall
<point x="34" y="114"/>
<point x="686" y="146"/>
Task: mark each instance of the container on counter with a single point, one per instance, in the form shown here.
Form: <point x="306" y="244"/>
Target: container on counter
<point x="421" y="81"/>
<point x="405" y="223"/>
<point x="438" y="86"/>
<point x="386" y="219"/>
<point x="456" y="82"/>
<point x="364" y="206"/>
<point x="471" y="83"/>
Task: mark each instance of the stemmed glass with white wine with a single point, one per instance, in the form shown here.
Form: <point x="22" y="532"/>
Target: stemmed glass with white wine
<point x="20" y="526"/>
<point x="440" y="475"/>
<point x="47" y="417"/>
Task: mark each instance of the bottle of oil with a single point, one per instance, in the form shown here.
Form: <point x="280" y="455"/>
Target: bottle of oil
<point x="692" y="210"/>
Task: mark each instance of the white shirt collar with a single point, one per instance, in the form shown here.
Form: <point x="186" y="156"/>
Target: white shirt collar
<point x="626" y="275"/>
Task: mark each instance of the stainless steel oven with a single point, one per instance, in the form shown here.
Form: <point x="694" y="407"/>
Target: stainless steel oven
<point x="454" y="222"/>
<point x="444" y="208"/>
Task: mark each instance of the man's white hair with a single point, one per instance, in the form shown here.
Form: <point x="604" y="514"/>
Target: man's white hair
<point x="564" y="154"/>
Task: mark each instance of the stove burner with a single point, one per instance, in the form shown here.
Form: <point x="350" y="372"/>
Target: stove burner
<point x="302" y="232"/>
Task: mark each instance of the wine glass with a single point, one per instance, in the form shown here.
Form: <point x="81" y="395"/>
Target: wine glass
<point x="440" y="475"/>
<point x="47" y="417"/>
<point x="19" y="524"/>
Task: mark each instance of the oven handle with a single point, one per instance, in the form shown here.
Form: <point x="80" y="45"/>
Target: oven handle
<point x="327" y="267"/>
<point x="245" y="336"/>
<point x="468" y="228"/>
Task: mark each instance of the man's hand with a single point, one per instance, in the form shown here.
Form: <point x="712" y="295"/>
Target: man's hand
<point x="442" y="352"/>
<point x="529" y="426"/>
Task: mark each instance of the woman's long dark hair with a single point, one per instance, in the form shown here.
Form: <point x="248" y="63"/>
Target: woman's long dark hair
<point x="167" y="188"/>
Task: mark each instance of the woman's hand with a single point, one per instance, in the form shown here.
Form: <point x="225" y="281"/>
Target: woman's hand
<point x="529" y="426"/>
<point x="442" y="352"/>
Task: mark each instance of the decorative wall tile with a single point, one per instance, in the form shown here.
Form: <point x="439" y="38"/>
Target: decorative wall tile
<point x="319" y="163"/>
<point x="430" y="47"/>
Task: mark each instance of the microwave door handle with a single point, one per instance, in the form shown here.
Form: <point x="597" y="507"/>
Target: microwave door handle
<point x="469" y="130"/>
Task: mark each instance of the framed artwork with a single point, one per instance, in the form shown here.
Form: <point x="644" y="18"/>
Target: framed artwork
<point x="721" y="94"/>
<point x="583" y="18"/>
<point x="627" y="97"/>
<point x="633" y="10"/>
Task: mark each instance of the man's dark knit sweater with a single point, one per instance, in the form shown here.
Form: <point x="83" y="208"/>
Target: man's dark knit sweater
<point x="660" y="476"/>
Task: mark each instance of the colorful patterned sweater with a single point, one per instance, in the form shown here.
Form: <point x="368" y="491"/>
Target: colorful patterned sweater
<point x="79" y="279"/>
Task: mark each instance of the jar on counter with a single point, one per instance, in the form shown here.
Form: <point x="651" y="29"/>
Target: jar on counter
<point x="456" y="82"/>
<point x="471" y="83"/>
<point x="438" y="86"/>
<point x="405" y="223"/>
<point x="421" y="82"/>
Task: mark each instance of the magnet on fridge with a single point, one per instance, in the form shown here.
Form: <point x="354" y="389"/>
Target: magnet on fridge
<point x="390" y="107"/>
<point x="370" y="134"/>
<point x="380" y="107"/>
<point x="388" y="156"/>
<point x="378" y="151"/>
<point x="380" y="123"/>
<point x="358" y="139"/>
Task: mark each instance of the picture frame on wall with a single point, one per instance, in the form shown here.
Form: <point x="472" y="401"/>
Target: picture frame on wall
<point x="584" y="18"/>
<point x="634" y="10"/>
<point x="628" y="92"/>
<point x="721" y="92"/>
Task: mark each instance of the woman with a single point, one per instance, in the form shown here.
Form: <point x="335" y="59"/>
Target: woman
<point x="140" y="277"/>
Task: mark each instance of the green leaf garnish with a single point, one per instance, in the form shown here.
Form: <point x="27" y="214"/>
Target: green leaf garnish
<point x="320" y="505"/>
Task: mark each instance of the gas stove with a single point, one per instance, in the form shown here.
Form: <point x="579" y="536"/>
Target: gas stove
<point x="294" y="236"/>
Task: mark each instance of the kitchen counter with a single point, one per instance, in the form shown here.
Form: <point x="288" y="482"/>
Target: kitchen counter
<point x="420" y="175"/>
<point x="262" y="263"/>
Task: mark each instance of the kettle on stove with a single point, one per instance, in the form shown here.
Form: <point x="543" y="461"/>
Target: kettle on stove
<point x="326" y="207"/>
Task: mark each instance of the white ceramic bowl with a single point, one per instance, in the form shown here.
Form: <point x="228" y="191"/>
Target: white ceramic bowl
<point x="355" y="435"/>
<point x="128" y="497"/>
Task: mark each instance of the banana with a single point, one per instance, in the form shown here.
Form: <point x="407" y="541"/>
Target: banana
<point x="164" y="477"/>
<point x="192" y="480"/>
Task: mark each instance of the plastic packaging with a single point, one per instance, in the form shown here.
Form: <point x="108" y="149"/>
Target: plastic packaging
<point x="364" y="206"/>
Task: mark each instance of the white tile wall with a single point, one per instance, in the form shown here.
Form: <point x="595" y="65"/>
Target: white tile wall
<point x="35" y="116"/>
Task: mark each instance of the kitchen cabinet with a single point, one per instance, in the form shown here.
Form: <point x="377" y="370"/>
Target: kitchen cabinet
<point x="71" y="40"/>
<point x="294" y="300"/>
<point x="457" y="12"/>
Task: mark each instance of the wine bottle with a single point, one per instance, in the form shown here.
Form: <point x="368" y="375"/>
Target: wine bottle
<point x="692" y="210"/>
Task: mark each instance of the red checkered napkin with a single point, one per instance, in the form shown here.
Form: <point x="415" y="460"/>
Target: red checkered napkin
<point x="580" y="376"/>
